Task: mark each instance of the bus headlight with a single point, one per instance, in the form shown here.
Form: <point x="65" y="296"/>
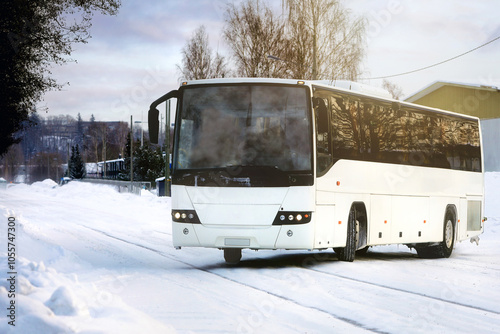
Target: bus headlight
<point x="185" y="216"/>
<point x="292" y="217"/>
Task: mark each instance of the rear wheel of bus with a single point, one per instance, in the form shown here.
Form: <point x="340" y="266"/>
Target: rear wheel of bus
<point x="444" y="248"/>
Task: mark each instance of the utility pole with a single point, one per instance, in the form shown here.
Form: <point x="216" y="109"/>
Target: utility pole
<point x="131" y="151"/>
<point x="104" y="142"/>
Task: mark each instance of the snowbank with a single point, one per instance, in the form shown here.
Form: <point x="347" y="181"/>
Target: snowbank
<point x="50" y="300"/>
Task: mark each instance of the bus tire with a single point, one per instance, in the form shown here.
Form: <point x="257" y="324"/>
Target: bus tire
<point x="362" y="251"/>
<point x="348" y="252"/>
<point x="232" y="255"/>
<point x="445" y="247"/>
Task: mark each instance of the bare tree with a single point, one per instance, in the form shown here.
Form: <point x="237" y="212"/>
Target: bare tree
<point x="198" y="61"/>
<point x="253" y="32"/>
<point x="118" y="139"/>
<point x="94" y="136"/>
<point x="393" y="89"/>
<point x="325" y="37"/>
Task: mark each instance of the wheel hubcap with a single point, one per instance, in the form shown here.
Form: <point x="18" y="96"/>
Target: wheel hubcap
<point x="448" y="234"/>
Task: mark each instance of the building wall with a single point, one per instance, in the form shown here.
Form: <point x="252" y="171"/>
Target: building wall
<point x="483" y="103"/>
<point x="491" y="139"/>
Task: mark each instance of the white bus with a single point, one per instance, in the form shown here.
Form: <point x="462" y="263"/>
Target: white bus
<point x="286" y="164"/>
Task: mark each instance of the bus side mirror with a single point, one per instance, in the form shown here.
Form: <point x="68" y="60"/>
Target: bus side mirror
<point x="153" y="125"/>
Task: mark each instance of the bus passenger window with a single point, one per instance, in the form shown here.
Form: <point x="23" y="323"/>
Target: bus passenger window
<point x="323" y="149"/>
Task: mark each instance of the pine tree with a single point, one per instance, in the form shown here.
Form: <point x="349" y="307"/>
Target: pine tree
<point x="76" y="164"/>
<point x="149" y="164"/>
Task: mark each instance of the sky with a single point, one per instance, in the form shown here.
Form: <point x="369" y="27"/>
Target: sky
<point x="131" y="58"/>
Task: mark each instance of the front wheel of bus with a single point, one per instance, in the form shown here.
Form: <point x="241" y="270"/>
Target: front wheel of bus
<point x="232" y="255"/>
<point x="348" y="252"/>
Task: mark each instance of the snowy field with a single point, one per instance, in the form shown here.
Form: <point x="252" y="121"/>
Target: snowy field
<point x="91" y="260"/>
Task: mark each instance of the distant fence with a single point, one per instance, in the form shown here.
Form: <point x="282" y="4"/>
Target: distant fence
<point x="122" y="186"/>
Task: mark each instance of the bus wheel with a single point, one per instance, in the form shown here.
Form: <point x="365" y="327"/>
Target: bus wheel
<point x="362" y="251"/>
<point x="445" y="247"/>
<point x="232" y="255"/>
<point x="448" y="236"/>
<point x="348" y="252"/>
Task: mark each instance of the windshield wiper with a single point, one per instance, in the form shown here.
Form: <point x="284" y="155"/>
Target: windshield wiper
<point x="254" y="168"/>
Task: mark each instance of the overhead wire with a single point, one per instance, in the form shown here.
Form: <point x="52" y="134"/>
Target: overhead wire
<point x="433" y="65"/>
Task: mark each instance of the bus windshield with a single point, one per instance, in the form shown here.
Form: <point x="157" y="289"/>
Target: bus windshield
<point x="257" y="130"/>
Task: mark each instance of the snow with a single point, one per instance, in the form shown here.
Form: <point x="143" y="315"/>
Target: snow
<point x="92" y="260"/>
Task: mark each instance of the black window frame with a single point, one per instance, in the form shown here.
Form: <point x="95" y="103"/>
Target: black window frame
<point x="231" y="176"/>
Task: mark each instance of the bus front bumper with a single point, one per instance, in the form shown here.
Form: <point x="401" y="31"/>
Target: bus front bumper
<point x="253" y="237"/>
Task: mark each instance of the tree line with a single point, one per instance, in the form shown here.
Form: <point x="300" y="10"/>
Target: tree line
<point x="47" y="144"/>
<point x="53" y="143"/>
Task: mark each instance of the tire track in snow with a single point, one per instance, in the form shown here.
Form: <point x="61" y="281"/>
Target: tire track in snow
<point x="454" y="261"/>
<point x="315" y="308"/>
<point x="404" y="291"/>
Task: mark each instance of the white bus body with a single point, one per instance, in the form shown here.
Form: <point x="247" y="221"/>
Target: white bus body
<point x="284" y="164"/>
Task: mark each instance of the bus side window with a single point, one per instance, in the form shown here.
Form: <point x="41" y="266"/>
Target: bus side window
<point x="323" y="147"/>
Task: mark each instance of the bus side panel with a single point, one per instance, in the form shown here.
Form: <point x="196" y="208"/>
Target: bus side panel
<point x="410" y="214"/>
<point x="399" y="198"/>
<point x="325" y="226"/>
<point x="380" y="218"/>
<point x="462" y="219"/>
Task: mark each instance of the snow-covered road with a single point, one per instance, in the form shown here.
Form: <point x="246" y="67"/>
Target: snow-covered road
<point x="91" y="260"/>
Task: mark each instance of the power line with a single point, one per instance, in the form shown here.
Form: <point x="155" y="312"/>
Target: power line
<point x="433" y="65"/>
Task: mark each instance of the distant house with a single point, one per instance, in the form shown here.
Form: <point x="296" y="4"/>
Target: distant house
<point x="475" y="100"/>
